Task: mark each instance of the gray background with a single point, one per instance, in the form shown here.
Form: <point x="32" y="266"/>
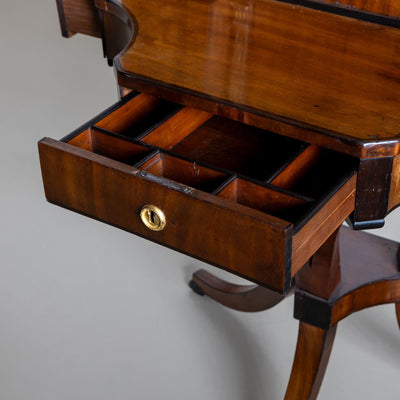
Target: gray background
<point x="91" y="312"/>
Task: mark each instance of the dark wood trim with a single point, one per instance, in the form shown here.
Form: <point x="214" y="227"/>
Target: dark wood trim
<point x="62" y="19"/>
<point x="258" y="118"/>
<point x="372" y="195"/>
<point x="344" y="11"/>
<point x="100" y="116"/>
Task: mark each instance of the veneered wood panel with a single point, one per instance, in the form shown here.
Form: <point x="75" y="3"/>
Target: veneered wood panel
<point x="310" y="238"/>
<point x="318" y="70"/>
<point x="226" y="234"/>
<point x="394" y="197"/>
<point x="390" y="8"/>
<point x="79" y="16"/>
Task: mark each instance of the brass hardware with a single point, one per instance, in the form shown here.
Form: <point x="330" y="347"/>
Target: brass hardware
<point x="153" y="217"/>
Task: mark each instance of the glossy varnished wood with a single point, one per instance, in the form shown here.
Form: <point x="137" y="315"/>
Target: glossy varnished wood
<point x="79" y="16"/>
<point x="312" y="236"/>
<point x="369" y="276"/>
<point x="250" y="298"/>
<point x="114" y="192"/>
<point x="279" y="60"/>
<point x="313" y="350"/>
<point x="394" y="197"/>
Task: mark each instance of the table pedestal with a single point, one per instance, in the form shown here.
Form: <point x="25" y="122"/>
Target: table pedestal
<point x="350" y="272"/>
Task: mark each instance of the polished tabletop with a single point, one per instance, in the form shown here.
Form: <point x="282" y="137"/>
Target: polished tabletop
<point x="314" y="68"/>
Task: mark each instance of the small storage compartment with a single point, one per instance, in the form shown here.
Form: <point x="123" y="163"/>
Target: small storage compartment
<point x="238" y="197"/>
<point x="188" y="173"/>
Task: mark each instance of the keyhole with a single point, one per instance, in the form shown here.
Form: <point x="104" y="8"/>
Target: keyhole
<point x="153" y="217"/>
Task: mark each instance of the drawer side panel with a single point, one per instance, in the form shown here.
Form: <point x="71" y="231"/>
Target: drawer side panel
<point x="197" y="224"/>
<point x="311" y="237"/>
<point x="78" y="16"/>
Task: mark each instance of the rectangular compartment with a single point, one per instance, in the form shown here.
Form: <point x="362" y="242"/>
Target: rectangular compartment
<point x="139" y="115"/>
<point x="265" y="199"/>
<point x="314" y="172"/>
<point x="109" y="146"/>
<point x="232" y="146"/>
<point x="188" y="173"/>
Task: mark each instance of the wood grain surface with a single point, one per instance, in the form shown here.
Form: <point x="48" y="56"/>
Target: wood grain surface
<point x="394" y="197"/>
<point x="79" y="16"/>
<point x="245" y="241"/>
<point x="315" y="69"/>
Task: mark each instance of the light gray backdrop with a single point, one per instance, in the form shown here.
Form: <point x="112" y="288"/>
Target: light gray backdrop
<point x="91" y="312"/>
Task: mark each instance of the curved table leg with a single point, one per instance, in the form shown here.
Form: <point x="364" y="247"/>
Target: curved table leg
<point x="242" y="298"/>
<point x="313" y="350"/>
<point x="398" y="313"/>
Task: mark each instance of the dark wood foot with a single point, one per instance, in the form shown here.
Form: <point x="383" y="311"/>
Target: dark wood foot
<point x="242" y="298"/>
<point x="398" y="313"/>
<point x="313" y="350"/>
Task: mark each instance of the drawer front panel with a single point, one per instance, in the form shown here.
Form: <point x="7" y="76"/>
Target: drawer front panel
<point x="245" y="241"/>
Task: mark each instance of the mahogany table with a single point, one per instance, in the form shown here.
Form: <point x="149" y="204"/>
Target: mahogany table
<point x="247" y="132"/>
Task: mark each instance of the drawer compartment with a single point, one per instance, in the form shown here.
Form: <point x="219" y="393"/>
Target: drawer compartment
<point x="241" y="198"/>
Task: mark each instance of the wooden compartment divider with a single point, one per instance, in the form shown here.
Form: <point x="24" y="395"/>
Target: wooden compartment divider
<point x="109" y="146"/>
<point x="226" y="144"/>
<point x="188" y="173"/>
<point x="264" y="199"/>
<point x="139" y="115"/>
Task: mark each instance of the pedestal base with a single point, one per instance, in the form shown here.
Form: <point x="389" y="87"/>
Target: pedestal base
<point x="350" y="272"/>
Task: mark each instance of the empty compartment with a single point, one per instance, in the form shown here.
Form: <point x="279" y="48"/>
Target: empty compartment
<point x="109" y="146"/>
<point x="264" y="199"/>
<point x="138" y="115"/>
<point x="185" y="172"/>
<point x="315" y="172"/>
<point x="236" y="147"/>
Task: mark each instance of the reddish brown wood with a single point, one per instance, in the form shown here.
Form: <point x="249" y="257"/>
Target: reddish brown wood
<point x="313" y="350"/>
<point x="79" y="16"/>
<point x="204" y="226"/>
<point x="314" y="233"/>
<point x="185" y="172"/>
<point x="370" y="275"/>
<point x="129" y="114"/>
<point x="238" y="147"/>
<point x="250" y="298"/>
<point x="330" y="85"/>
<point x="394" y="197"/>
<point x="262" y="198"/>
<point x="322" y="276"/>
<point x="176" y="128"/>
<point x="288" y="177"/>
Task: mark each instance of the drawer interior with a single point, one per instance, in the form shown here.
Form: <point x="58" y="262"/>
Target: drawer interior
<point x="286" y="178"/>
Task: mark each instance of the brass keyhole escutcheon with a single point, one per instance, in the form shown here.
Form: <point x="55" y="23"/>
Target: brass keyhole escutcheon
<point x="153" y="217"/>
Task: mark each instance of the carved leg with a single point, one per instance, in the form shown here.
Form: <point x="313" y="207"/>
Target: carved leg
<point x="242" y="298"/>
<point x="313" y="349"/>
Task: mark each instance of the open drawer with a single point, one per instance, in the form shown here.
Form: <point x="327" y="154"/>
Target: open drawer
<point x="238" y="197"/>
